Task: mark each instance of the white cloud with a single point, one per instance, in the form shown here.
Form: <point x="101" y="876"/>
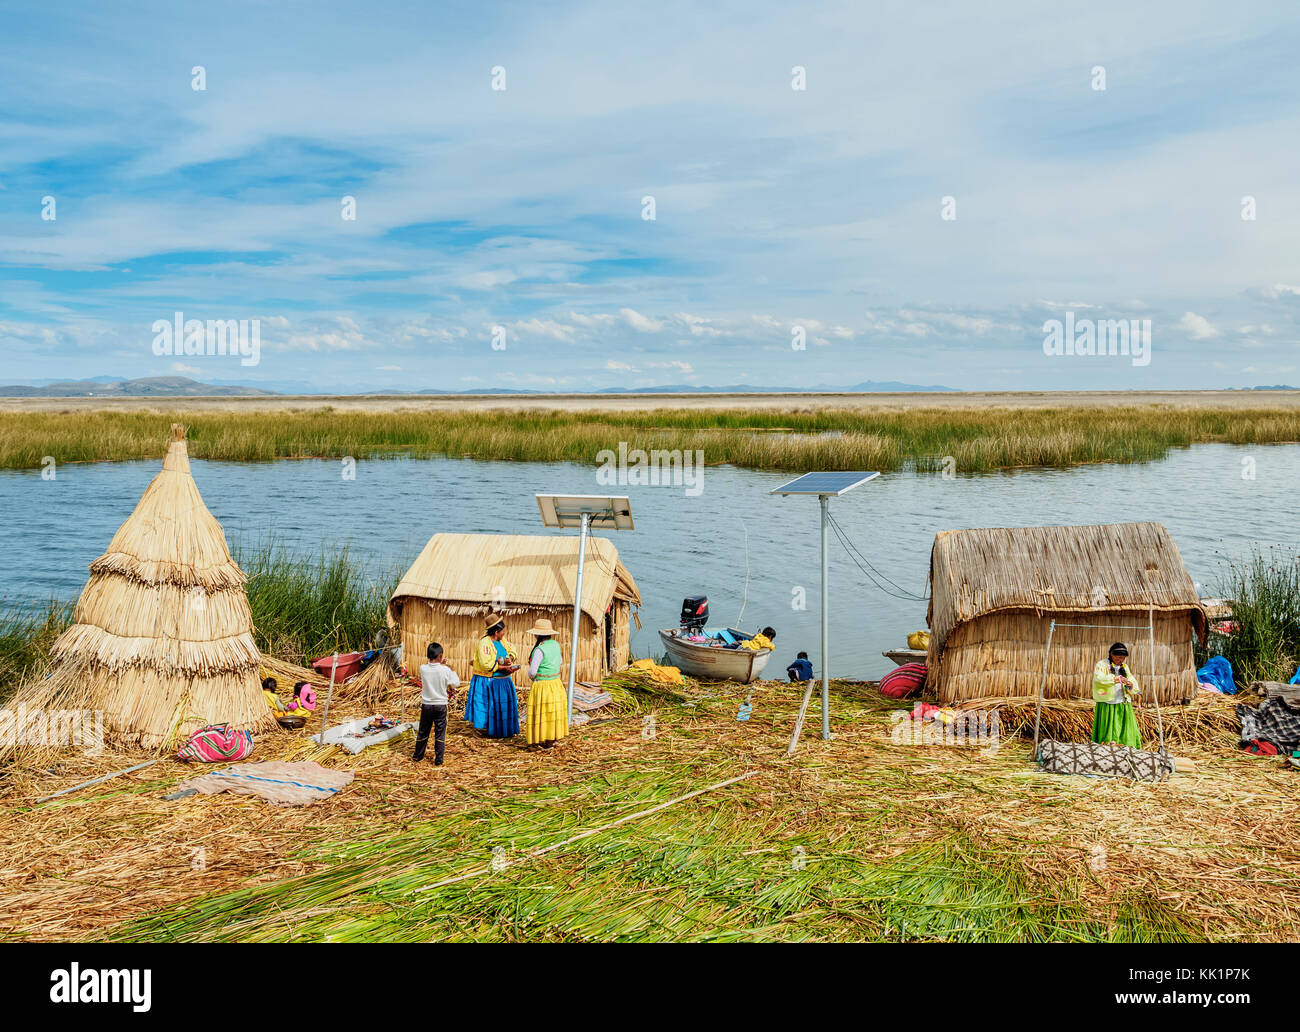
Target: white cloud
<point x="640" y="323"/>
<point x="1197" y="326"/>
<point x="486" y="279"/>
<point x="543" y="328"/>
<point x="681" y="367"/>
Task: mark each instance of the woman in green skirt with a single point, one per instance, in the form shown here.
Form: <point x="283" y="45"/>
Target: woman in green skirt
<point x="1113" y="688"/>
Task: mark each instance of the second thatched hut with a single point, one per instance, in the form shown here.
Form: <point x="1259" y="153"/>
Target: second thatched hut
<point x="995" y="592"/>
<point x="458" y="578"/>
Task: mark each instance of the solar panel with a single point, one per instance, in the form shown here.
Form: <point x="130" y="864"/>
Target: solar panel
<point x="825" y="483"/>
<point x="603" y="511"/>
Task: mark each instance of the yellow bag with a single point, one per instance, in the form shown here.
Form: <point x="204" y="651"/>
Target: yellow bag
<point x="919" y="640"/>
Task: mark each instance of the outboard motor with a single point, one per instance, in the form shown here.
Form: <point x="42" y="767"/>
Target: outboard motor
<point x="695" y="613"/>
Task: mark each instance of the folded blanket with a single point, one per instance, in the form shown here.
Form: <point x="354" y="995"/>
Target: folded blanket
<point x="1271" y="721"/>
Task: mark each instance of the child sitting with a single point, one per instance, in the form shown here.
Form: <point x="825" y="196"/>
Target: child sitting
<point x="304" y="699"/>
<point x="269" y="687"/>
<point x="801" y="669"/>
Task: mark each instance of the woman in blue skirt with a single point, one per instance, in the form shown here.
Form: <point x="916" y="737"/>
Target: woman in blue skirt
<point x="491" y="704"/>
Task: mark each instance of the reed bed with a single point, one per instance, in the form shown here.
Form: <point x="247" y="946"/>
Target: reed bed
<point x="1265" y="591"/>
<point x="856" y="838"/>
<point x="863" y="437"/>
<point x="313" y="604"/>
<point x="1209" y="721"/>
<point x="26" y="635"/>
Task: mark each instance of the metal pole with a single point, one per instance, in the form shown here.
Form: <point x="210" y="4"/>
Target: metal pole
<point x="577" y="612"/>
<point x="826" y="632"/>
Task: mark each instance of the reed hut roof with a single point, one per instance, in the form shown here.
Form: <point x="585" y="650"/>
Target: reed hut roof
<point x="1094" y="568"/>
<point x="473" y="571"/>
<point x="162" y="636"/>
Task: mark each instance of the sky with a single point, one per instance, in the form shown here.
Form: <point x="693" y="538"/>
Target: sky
<point x="948" y="179"/>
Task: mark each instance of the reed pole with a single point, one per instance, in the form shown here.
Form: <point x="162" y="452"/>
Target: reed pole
<point x="98" y="780"/>
<point x="325" y="712"/>
<point x="1042" y="685"/>
<point x="1151" y="632"/>
<point x="798" y="724"/>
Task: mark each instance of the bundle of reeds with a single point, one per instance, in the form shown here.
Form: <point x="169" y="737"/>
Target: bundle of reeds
<point x="374" y="684"/>
<point x="161" y="641"/>
<point x="1209" y="721"/>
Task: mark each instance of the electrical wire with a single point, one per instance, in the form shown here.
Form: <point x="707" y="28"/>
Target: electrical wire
<point x="854" y="551"/>
<point x="874" y="575"/>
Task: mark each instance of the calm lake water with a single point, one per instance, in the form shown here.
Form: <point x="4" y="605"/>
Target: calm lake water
<point x="51" y="530"/>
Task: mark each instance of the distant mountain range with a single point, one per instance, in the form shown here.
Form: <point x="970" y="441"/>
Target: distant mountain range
<point x="184" y="387"/>
<point x="112" y="387"/>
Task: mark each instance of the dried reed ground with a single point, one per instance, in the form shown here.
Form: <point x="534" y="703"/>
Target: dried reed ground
<point x="855" y="838"/>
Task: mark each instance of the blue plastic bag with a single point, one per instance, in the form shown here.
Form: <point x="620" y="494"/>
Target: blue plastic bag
<point x="1218" y="672"/>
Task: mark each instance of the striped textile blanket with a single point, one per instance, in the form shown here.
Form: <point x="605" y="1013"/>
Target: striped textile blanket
<point x="590" y="697"/>
<point x="283" y="784"/>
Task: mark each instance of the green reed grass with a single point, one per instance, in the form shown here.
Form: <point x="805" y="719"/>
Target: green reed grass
<point x="303" y="606"/>
<point x="746" y="862"/>
<point x="308" y="605"/>
<point x="833" y="438"/>
<point x="1265" y="594"/>
<point x="722" y="869"/>
<point x="26" y="634"/>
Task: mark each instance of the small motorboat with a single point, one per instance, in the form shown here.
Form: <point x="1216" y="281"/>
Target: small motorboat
<point x="710" y="659"/>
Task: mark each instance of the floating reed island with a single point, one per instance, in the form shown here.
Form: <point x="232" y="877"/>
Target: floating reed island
<point x="965" y="440"/>
<point x="694" y="825"/>
<point x="855" y="838"/>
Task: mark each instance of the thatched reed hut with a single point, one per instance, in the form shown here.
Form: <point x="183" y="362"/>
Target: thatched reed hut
<point x="994" y="593"/>
<point x="459" y="578"/>
<point x="162" y="637"/>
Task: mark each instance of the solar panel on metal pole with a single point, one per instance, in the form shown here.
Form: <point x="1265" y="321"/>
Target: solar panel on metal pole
<point x="825" y="486"/>
<point x="584" y="512"/>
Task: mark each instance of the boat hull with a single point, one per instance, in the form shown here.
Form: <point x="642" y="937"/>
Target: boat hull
<point x="710" y="664"/>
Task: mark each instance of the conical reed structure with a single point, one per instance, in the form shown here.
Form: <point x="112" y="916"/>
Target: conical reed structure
<point x="162" y="638"/>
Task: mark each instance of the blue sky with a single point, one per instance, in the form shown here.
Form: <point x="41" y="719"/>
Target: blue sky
<point x="775" y="208"/>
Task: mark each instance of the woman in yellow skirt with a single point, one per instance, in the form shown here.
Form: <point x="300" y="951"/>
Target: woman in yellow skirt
<point x="548" y="702"/>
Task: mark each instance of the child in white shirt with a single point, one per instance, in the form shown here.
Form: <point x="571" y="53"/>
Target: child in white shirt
<point x="438" y="683"/>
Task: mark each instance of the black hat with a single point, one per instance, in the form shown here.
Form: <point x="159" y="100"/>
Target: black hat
<point x="1118" y="649"/>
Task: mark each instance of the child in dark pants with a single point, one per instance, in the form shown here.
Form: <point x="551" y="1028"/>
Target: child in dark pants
<point x="438" y="682"/>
